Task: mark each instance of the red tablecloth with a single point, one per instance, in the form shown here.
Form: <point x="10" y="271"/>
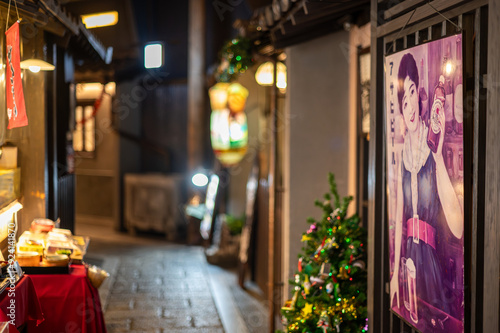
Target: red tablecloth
<point x="26" y="307"/>
<point x="70" y="304"/>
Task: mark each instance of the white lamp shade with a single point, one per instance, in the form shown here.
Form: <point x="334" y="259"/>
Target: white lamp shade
<point x="36" y="65"/>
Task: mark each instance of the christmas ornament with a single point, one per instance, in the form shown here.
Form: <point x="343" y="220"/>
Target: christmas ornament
<point x="316" y="280"/>
<point x="308" y="269"/>
<point x="305" y="238"/>
<point x="290" y="305"/>
<point x="324" y="322"/>
<point x="360" y="264"/>
<point x="318" y="250"/>
<point x="329" y="287"/>
<point x="307" y="310"/>
<point x="312" y="228"/>
<point x="325" y="270"/>
<point x="307" y="285"/>
<point x="343" y="273"/>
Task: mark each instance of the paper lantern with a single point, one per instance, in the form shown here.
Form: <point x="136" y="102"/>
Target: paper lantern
<point x="228" y="122"/>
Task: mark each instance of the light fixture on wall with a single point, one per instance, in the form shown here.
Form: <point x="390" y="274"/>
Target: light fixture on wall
<point x="36" y="65"/>
<point x="199" y="179"/>
<point x="265" y="73"/>
<point x="153" y="55"/>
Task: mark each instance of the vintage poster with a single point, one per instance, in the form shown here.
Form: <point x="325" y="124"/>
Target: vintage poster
<point x="424" y="136"/>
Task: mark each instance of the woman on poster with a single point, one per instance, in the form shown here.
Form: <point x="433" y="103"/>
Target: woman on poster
<point x="425" y="195"/>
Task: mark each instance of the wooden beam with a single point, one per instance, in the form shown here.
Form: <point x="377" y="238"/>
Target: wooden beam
<point x="32" y="15"/>
<point x="491" y="300"/>
<point x="103" y="52"/>
<point x="469" y="6"/>
<point x="421" y="13"/>
<point x="401" y="7"/>
<point x="69" y="22"/>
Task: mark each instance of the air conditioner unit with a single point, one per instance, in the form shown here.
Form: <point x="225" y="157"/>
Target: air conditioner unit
<point x="152" y="203"/>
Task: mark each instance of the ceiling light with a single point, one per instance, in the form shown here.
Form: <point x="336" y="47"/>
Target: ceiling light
<point x="100" y="19"/>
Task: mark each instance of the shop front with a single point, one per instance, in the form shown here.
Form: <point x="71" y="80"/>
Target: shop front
<point x="44" y="281"/>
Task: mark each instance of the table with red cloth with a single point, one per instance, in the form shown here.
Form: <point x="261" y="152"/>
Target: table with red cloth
<point x="70" y="304"/>
<point x="26" y="305"/>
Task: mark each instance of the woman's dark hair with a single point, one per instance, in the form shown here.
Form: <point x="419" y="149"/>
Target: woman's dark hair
<point x="407" y="67"/>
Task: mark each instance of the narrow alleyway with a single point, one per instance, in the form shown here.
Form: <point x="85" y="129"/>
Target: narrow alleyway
<point x="156" y="286"/>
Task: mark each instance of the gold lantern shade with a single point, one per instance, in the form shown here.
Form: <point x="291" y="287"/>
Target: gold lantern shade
<point x="228" y="122"/>
<point x="218" y="96"/>
<point x="236" y="97"/>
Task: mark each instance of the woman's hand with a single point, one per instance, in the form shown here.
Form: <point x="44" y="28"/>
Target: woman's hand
<point x="394" y="287"/>
<point x="441" y="122"/>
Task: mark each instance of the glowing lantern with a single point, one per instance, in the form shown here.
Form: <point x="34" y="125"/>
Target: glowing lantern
<point x="265" y="73"/>
<point x="228" y="122"/>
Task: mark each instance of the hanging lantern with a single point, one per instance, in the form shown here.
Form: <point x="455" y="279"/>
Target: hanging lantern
<point x="228" y="122"/>
<point x="264" y="75"/>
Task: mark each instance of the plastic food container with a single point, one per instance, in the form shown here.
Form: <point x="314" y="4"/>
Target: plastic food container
<point x="65" y="232"/>
<point x="59" y="247"/>
<point x="28" y="258"/>
<point x="57" y="259"/>
<point x="42" y="225"/>
<point x="31" y="242"/>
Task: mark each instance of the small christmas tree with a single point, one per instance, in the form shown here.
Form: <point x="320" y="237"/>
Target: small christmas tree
<point x="329" y="289"/>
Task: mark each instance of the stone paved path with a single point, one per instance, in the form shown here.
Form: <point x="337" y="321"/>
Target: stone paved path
<point x="162" y="289"/>
<point x="156" y="286"/>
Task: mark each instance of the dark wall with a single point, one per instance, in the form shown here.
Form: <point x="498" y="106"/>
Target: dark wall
<point x="164" y="122"/>
<point x="163" y="110"/>
<point x="166" y="22"/>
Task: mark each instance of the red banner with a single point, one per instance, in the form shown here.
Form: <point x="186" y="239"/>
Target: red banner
<point x="16" y="109"/>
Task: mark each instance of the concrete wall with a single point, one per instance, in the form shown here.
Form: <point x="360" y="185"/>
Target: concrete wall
<point x="97" y="178"/>
<point x="256" y="103"/>
<point x="317" y="109"/>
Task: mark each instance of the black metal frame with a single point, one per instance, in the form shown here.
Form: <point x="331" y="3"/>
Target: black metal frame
<point x="399" y="26"/>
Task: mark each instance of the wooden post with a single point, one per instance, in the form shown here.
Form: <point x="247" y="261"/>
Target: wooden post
<point x="491" y="306"/>
<point x="272" y="194"/>
<point x="196" y="82"/>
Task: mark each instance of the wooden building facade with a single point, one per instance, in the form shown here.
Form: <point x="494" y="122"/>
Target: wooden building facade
<point x="399" y="25"/>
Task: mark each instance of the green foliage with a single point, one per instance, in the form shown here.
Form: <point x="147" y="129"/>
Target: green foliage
<point x="235" y="59"/>
<point x="330" y="287"/>
<point x="235" y="224"/>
